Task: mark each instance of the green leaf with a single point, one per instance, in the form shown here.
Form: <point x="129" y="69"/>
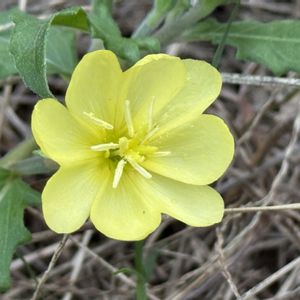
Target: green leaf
<point x="74" y="17"/>
<point x="60" y="51"/>
<point x="275" y="44"/>
<point x="7" y="66"/>
<point x="104" y="27"/>
<point x="15" y="196"/>
<point x="30" y="39"/>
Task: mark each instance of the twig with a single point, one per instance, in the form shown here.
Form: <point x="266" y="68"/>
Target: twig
<point x="113" y="270"/>
<point x="271" y="279"/>
<point x="77" y="262"/>
<point x="222" y="262"/>
<point x="22" y="5"/>
<point x="234" y="78"/>
<point x="257" y="117"/>
<point x="50" y="266"/>
<point x="262" y="208"/>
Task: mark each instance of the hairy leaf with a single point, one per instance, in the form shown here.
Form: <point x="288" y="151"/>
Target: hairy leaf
<point x="275" y="44"/>
<point x="15" y="195"/>
<point x="29" y="43"/>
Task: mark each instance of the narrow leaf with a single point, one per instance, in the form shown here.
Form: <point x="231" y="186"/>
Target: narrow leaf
<point x="275" y="44"/>
<point x="15" y="195"/>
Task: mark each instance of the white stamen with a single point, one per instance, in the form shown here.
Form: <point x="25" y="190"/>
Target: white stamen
<point x="150" y="114"/>
<point x="161" y="153"/>
<point x="118" y="173"/>
<point x="128" y="119"/>
<point x="149" y="135"/>
<point x="104" y="147"/>
<point x="98" y="121"/>
<point x="139" y="168"/>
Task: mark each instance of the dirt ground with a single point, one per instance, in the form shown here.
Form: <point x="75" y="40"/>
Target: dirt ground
<point x="252" y="255"/>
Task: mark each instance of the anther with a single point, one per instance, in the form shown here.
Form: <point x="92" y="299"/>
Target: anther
<point x="98" y="121"/>
<point x="105" y="147"/>
<point x="118" y="173"/>
<point x="128" y="119"/>
<point x="138" y="168"/>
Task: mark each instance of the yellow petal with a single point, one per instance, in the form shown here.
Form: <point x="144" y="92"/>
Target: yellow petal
<point x="60" y="135"/>
<point x="201" y="151"/>
<point x="125" y="213"/>
<point x="202" y="87"/>
<point x="95" y="85"/>
<point x="194" y="205"/>
<point x="156" y="78"/>
<point x="68" y="196"/>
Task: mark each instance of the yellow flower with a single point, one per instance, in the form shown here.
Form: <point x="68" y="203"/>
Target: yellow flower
<point x="133" y="145"/>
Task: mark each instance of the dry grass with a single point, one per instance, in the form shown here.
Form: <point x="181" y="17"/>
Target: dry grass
<point x="249" y="256"/>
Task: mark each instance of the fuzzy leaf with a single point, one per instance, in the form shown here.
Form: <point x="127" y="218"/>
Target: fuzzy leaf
<point x="15" y="195"/>
<point x="275" y="44"/>
<point x="29" y="42"/>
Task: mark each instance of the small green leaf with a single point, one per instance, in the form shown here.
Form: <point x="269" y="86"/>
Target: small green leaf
<point x="104" y="27"/>
<point x="30" y="39"/>
<point x="275" y="44"/>
<point x="15" y="195"/>
<point x="74" y="17"/>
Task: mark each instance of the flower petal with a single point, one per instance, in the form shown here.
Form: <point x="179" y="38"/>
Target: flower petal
<point x="60" y="136"/>
<point x="125" y="213"/>
<point x="202" y="87"/>
<point x="201" y="151"/>
<point x="68" y="196"/>
<point x="194" y="205"/>
<point x="94" y="86"/>
<point x="157" y="78"/>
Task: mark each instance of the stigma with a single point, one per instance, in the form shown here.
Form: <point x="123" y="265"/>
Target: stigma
<point x="131" y="150"/>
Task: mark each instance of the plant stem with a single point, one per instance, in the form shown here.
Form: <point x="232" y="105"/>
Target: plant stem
<point x="23" y="150"/>
<point x="139" y="267"/>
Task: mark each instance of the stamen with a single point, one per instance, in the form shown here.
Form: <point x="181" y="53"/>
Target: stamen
<point x="149" y="135"/>
<point x="105" y="147"/>
<point x="150" y="114"/>
<point x="128" y="119"/>
<point x="139" y="168"/>
<point x="160" y="154"/>
<point x="118" y="173"/>
<point x="98" y="121"/>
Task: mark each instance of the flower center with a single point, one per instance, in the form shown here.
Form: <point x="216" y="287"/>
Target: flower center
<point x="132" y="150"/>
